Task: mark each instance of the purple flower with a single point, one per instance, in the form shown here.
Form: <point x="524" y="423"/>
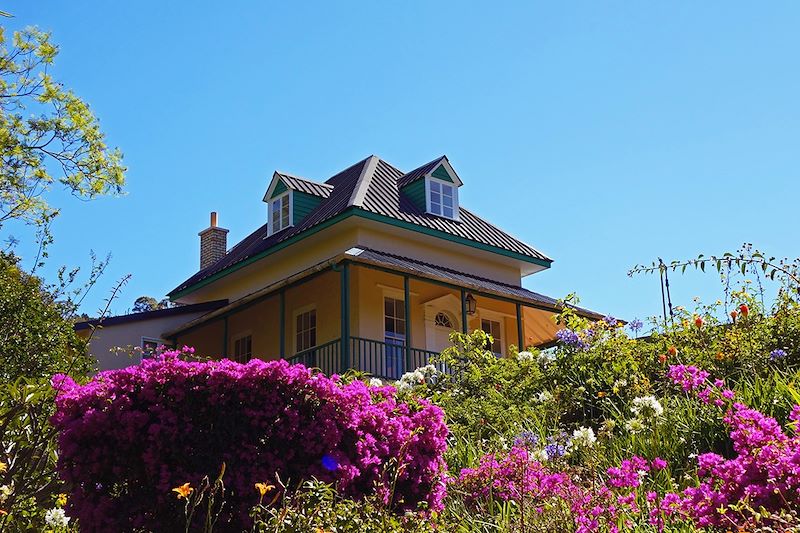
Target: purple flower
<point x="572" y="338"/>
<point x="635" y="325"/>
<point x="610" y="320"/>
<point x="168" y="421"/>
<point x="777" y="354"/>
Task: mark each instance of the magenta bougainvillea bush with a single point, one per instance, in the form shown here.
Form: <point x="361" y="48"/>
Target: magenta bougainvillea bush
<point x="129" y="436"/>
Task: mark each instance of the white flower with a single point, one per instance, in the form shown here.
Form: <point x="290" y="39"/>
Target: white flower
<point x="525" y="356"/>
<point x="634" y="425"/>
<point x="583" y="437"/>
<point x="56" y="518"/>
<point x="540" y="456"/>
<point x="544" y="396"/>
<point x="375" y="382"/>
<point x="647" y="407"/>
<point x="5" y="492"/>
<point x="428" y="370"/>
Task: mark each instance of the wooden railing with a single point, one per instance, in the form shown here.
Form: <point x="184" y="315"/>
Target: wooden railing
<point x="380" y="359"/>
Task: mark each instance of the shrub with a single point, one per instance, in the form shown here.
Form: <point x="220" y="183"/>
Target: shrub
<point x="38" y="339"/>
<point x="130" y="436"/>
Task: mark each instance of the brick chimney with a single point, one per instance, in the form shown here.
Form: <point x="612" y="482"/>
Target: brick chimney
<point x="213" y="243"/>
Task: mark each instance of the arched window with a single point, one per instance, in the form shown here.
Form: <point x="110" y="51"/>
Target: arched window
<point x="443" y="320"/>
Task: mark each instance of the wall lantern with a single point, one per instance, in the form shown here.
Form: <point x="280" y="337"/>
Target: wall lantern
<point x="472" y="304"/>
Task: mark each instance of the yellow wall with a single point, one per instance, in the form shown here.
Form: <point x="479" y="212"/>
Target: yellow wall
<point x="372" y="285"/>
<point x="368" y="288"/>
<point x="333" y="241"/>
<point x="280" y="265"/>
<point x="207" y="340"/>
<point x="322" y="293"/>
<point x="261" y="321"/>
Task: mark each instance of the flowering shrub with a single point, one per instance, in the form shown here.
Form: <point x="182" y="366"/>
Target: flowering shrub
<point x="130" y="436"/>
<point x="764" y="474"/>
<point x="558" y="499"/>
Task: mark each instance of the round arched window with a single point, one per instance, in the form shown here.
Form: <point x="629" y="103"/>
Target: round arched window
<point x="443" y="320"/>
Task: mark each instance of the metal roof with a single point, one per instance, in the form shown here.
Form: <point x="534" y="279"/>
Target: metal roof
<point x="463" y="279"/>
<point x="370" y="186"/>
<point x="297" y="183"/>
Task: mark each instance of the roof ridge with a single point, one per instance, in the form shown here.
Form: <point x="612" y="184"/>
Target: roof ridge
<point x="327" y="181"/>
<point x="363" y="182"/>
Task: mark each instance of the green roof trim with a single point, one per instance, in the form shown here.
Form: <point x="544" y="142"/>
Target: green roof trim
<point x="280" y="188"/>
<point x="442" y="174"/>
<point x="354" y="211"/>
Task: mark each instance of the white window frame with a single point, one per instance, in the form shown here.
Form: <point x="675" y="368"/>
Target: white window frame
<point x="270" y="225"/>
<point x="297" y="313"/>
<point x="395" y="294"/>
<point x="158" y="341"/>
<point x="238" y="337"/>
<point x="428" y="203"/>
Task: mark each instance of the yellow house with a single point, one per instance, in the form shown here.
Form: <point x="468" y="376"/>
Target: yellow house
<point x="371" y="269"/>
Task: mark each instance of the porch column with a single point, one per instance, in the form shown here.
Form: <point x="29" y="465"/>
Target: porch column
<point x="225" y="337"/>
<point x="407" y="303"/>
<point x="463" y="311"/>
<point x="282" y="323"/>
<point x="520" y="340"/>
<point x="345" y="315"/>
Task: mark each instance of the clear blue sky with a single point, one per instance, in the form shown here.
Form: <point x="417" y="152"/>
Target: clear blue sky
<point x="603" y="133"/>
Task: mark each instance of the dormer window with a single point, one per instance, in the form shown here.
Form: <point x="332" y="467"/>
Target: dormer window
<point x="442" y="198"/>
<point x="280" y="213"/>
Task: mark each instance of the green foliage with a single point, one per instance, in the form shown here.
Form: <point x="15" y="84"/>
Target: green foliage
<point x="487" y="396"/>
<point x="318" y="507"/>
<point x="44" y="126"/>
<point x="29" y="485"/>
<point x="36" y="335"/>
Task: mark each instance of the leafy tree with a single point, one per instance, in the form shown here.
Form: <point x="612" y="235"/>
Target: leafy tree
<point x="44" y="126"/>
<point x="37" y="338"/>
<point x="143" y="304"/>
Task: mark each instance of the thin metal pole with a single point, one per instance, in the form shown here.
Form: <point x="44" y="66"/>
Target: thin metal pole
<point x="519" y="328"/>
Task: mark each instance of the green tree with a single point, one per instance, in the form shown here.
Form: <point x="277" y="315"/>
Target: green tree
<point x="37" y="338"/>
<point x="47" y="135"/>
<point x="143" y="304"/>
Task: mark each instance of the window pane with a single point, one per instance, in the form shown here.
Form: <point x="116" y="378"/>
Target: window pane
<point x="436" y="198"/>
<point x="388" y="307"/>
<point x="435" y="186"/>
<point x="448" y="212"/>
<point x="447" y="191"/>
<point x="388" y="324"/>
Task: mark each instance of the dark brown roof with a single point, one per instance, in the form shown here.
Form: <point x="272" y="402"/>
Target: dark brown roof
<point x="307" y="186"/>
<point x="149" y="315"/>
<point x="370" y="186"/>
<point x="417" y="173"/>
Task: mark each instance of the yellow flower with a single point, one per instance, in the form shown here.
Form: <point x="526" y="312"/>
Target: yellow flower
<point x="263" y="488"/>
<point x="61" y="500"/>
<point x="3" y="467"/>
<point x="183" y="491"/>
